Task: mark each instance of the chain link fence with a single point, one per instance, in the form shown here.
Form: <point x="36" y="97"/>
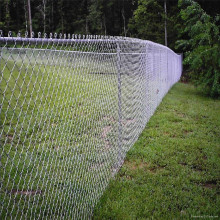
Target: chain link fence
<point x="70" y="109"/>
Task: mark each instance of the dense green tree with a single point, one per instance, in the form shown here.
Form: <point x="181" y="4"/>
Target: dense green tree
<point x="174" y="23"/>
<point x="97" y="17"/>
<point x="77" y="16"/>
<point x="9" y="15"/>
<point x="148" y="21"/>
<point x="201" y="46"/>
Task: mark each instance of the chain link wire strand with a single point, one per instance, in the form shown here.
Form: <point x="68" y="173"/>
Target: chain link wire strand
<point x="71" y="107"/>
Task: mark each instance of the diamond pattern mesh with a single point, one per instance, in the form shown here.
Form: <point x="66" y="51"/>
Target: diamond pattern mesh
<point x="70" y="109"/>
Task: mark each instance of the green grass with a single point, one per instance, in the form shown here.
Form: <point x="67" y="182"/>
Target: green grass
<point x="59" y="129"/>
<point x="173" y="170"/>
<point x="59" y="137"/>
<point x="50" y="107"/>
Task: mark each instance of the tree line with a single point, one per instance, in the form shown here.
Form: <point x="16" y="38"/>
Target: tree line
<point x="192" y="26"/>
<point x="64" y="16"/>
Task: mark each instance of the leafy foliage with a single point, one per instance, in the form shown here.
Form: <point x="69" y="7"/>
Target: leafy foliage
<point x="201" y="46"/>
<point x="77" y="16"/>
<point x="147" y="21"/>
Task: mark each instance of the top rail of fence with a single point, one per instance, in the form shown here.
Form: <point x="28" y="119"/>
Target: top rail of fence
<point x="77" y="39"/>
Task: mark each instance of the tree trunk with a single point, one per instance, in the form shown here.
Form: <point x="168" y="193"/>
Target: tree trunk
<point x="52" y="22"/>
<point x="29" y="16"/>
<point x="44" y="15"/>
<point x="123" y="16"/>
<point x="87" y="28"/>
<point x="7" y="14"/>
<point x="105" y="24"/>
<point x="165" y="22"/>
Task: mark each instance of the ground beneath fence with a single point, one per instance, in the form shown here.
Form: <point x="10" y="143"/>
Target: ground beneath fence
<point x="173" y="170"/>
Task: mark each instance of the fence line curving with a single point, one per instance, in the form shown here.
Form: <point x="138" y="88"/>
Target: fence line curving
<point x="70" y="109"/>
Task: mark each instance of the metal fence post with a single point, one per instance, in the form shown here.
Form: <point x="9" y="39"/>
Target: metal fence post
<point x="119" y="105"/>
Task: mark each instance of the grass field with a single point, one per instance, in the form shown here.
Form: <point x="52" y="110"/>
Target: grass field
<point x="54" y="153"/>
<point x="59" y="128"/>
<point x="173" y="170"/>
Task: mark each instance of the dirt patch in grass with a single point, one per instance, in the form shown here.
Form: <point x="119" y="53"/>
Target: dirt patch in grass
<point x="180" y="114"/>
<point x="142" y="165"/>
<point x="132" y="165"/>
<point x="166" y="133"/>
<point x="210" y="184"/>
<point x="10" y="138"/>
<point x="105" y="132"/>
<point x="187" y="131"/>
<point x="56" y="148"/>
<point x="26" y="192"/>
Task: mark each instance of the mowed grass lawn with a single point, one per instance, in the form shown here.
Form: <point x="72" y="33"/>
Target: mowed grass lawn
<point x="173" y="170"/>
<point x="50" y="153"/>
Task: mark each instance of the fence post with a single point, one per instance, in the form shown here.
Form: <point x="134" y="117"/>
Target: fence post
<point x="181" y="65"/>
<point x="119" y="106"/>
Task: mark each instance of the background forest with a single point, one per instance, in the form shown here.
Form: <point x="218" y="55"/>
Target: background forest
<point x="192" y="27"/>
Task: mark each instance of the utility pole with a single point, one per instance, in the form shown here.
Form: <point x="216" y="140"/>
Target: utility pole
<point x="29" y="17"/>
<point x="165" y="25"/>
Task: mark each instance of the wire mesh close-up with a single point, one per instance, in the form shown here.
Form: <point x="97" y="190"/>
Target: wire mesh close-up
<point x="70" y="109"/>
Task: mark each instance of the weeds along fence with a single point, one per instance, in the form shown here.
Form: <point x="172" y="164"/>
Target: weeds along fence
<point x="70" y="109"/>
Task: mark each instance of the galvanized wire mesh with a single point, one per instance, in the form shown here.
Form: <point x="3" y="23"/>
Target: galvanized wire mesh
<point x="70" y="109"/>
